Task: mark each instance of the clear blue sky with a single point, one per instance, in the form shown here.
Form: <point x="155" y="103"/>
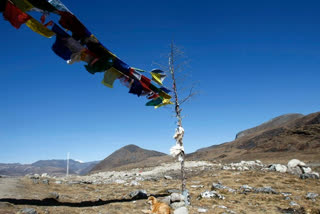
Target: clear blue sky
<point x="254" y="60"/>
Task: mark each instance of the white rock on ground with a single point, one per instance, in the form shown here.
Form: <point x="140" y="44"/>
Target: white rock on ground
<point x="280" y="168"/>
<point x="295" y="162"/>
<point x="181" y="210"/>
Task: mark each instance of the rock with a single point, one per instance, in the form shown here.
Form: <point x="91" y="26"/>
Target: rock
<point x="202" y="210"/>
<point x="181" y="210"/>
<point x="281" y="168"/>
<point x="53" y="195"/>
<point x="134" y="183"/>
<point x="5" y="205"/>
<point x="197" y="186"/>
<point x="35" y="181"/>
<point x="166" y="200"/>
<point x="58" y="182"/>
<point x="225" y="168"/>
<point x="177" y="205"/>
<point x="36" y="176"/>
<point x="211" y="194"/>
<point x="43" y="175"/>
<point x="167" y="177"/>
<point x="258" y="162"/>
<point x="138" y="194"/>
<point x="176" y="197"/>
<point x="119" y="181"/>
<point x="295" y="171"/>
<point x="311" y="195"/>
<point x="173" y="190"/>
<point x="28" y="211"/>
<point x="307" y="169"/>
<point x="45" y="181"/>
<point x="267" y="190"/>
<point x="312" y="175"/>
<point x="293" y="203"/>
<point x="295" y="162"/>
<point x="74" y="182"/>
<point x="245" y="189"/>
<point x="277" y="168"/>
<point x="286" y="194"/>
<point x="220" y="186"/>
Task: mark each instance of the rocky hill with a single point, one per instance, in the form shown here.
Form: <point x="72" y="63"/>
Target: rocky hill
<point x="130" y="154"/>
<point x="271" y="124"/>
<point x="52" y="167"/>
<point x="285" y="139"/>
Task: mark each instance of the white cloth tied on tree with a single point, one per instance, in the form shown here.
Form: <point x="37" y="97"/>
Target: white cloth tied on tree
<point x="178" y="149"/>
<point x="178" y="135"/>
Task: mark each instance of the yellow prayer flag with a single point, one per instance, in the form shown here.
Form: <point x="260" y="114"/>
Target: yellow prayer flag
<point x="164" y="103"/>
<point x="39" y="28"/>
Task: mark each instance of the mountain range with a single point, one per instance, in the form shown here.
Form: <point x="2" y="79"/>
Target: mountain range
<point x="52" y="167"/>
<point x="279" y="139"/>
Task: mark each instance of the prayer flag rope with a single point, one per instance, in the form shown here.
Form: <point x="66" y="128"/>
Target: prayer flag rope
<point x="83" y="46"/>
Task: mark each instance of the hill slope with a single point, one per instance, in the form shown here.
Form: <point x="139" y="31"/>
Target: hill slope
<point x="271" y="124"/>
<point x="125" y="156"/>
<point x="52" y="167"/>
<point x="295" y="138"/>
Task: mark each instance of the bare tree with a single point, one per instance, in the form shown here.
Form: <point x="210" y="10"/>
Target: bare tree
<point x="181" y="94"/>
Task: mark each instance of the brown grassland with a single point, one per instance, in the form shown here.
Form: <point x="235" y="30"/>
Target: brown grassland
<point x="72" y="196"/>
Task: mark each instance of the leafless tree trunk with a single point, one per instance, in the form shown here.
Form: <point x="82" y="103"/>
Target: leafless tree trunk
<point x="178" y="110"/>
<point x="175" y="67"/>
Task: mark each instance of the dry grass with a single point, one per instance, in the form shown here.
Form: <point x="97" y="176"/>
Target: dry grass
<point x="239" y="203"/>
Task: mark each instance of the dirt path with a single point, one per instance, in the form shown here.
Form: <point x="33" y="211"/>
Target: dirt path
<point x="10" y="188"/>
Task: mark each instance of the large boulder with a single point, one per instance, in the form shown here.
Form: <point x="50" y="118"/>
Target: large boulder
<point x="295" y="162"/>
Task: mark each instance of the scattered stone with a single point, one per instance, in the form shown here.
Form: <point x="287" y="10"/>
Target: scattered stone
<point x="267" y="190"/>
<point x="58" y="182"/>
<point x="307" y="169"/>
<point x="311" y="195"/>
<point x="281" y="168"/>
<point x="167" y="177"/>
<point x="28" y="211"/>
<point x="43" y="175"/>
<point x="134" y="183"/>
<point x="197" y="186"/>
<point x="54" y="195"/>
<point x="138" y="194"/>
<point x="74" y="182"/>
<point x="296" y="166"/>
<point x="295" y="162"/>
<point x="119" y="181"/>
<point x="45" y="181"/>
<point x="176" y="197"/>
<point x="222" y="207"/>
<point x="293" y="203"/>
<point x="312" y="175"/>
<point x="173" y="190"/>
<point x="5" y="205"/>
<point x="166" y="200"/>
<point x="221" y="187"/>
<point x="211" y="194"/>
<point x="202" y="210"/>
<point x="35" y="181"/>
<point x="245" y="189"/>
<point x="177" y="205"/>
<point x="285" y="194"/>
<point x="181" y="210"/>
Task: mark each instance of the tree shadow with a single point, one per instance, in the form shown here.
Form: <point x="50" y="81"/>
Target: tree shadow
<point x="53" y="202"/>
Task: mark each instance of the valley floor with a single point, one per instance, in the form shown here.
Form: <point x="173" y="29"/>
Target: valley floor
<point x="110" y="194"/>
